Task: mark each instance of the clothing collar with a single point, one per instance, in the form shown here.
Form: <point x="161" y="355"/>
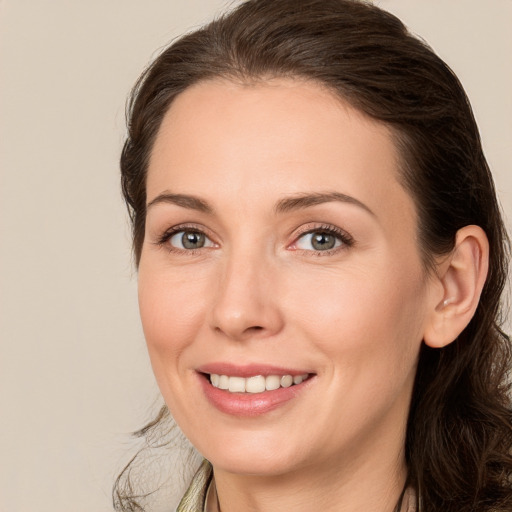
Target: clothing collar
<point x="201" y="496"/>
<point x="195" y="498"/>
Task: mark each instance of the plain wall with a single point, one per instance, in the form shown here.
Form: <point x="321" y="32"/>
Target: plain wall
<point x="74" y="374"/>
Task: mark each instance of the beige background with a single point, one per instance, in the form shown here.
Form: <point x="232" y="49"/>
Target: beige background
<point x="74" y="375"/>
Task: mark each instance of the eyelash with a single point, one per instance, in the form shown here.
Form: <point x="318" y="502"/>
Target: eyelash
<point x="163" y="241"/>
<point x="345" y="238"/>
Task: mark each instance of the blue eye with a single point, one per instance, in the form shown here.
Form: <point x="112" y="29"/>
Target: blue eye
<point x="189" y="240"/>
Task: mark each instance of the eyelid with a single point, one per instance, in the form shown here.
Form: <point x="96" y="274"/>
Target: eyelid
<point x="177" y="239"/>
<point x="342" y="235"/>
<point x="163" y="239"/>
<point x="346" y="239"/>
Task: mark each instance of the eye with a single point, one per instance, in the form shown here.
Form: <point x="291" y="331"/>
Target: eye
<point x="189" y="240"/>
<point x="323" y="239"/>
<point x="318" y="241"/>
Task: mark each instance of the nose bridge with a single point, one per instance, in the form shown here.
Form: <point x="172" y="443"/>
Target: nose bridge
<point x="245" y="304"/>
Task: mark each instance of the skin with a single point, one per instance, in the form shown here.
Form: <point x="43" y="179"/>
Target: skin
<point x="258" y="292"/>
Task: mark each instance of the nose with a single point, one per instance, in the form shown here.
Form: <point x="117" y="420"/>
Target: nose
<point x="246" y="304"/>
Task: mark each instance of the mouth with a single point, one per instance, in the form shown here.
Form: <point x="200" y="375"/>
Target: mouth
<point x="256" y="383"/>
<point x="254" y="389"/>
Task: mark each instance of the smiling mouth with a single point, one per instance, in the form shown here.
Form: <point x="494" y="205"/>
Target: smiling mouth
<point x="256" y="383"/>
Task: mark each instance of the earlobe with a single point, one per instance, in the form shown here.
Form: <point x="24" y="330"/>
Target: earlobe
<point x="462" y="276"/>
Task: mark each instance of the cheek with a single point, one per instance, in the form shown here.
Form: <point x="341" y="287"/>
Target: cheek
<point x="171" y="310"/>
<point x="365" y="319"/>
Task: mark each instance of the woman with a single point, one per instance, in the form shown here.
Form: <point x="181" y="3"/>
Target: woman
<point x="321" y="258"/>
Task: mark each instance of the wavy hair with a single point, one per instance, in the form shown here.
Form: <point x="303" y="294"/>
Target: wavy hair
<point x="459" y="433"/>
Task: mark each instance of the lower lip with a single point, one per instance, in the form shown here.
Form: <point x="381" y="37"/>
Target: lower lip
<point x="250" y="404"/>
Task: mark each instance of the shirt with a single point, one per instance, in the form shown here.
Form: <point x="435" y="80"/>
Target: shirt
<point x="195" y="500"/>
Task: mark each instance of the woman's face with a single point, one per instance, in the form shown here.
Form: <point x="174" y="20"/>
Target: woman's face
<point x="280" y="246"/>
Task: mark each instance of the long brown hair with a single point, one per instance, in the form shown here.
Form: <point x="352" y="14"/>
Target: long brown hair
<point x="459" y="434"/>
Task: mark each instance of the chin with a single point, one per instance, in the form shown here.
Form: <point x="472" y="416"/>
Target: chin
<point x="261" y="456"/>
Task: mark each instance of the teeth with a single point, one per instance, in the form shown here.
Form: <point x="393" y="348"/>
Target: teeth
<point x="272" y="382"/>
<point x="299" y="378"/>
<point x="286" y="381"/>
<point x="253" y="384"/>
<point x="223" y="382"/>
<point x="256" y="384"/>
<point x="236" y="385"/>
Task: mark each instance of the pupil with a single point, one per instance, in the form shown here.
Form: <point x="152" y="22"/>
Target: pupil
<point x="192" y="240"/>
<point x="323" y="241"/>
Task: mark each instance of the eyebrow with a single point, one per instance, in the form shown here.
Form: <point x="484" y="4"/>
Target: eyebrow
<point x="301" y="201"/>
<point x="297" y="202"/>
<point x="183" y="200"/>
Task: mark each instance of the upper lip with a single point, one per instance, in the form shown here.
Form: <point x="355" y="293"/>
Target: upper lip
<point x="248" y="370"/>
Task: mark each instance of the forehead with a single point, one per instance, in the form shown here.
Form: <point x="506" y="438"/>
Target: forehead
<point x="227" y="140"/>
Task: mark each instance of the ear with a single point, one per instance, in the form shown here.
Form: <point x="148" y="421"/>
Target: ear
<point x="462" y="276"/>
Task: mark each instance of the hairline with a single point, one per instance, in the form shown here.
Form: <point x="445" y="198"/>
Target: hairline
<point x="400" y="139"/>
